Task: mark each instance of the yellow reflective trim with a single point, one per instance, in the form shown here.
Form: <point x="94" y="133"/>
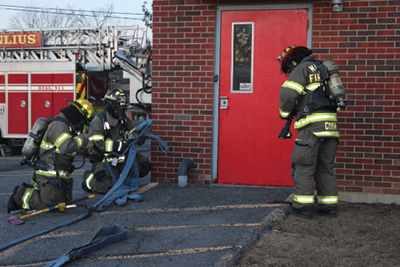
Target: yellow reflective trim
<point x="313" y="86"/>
<point x="88" y="180"/>
<point x="61" y="139"/>
<point x="96" y="137"/>
<point x="53" y="174"/>
<point x="294" y="86"/>
<point x="284" y="114"/>
<point x="120" y="159"/>
<point x="109" y="145"/>
<point x="79" y="141"/>
<point x="25" y="198"/>
<point x="131" y="131"/>
<point x="46" y="145"/>
<point x="327" y="134"/>
<point x="328" y="199"/>
<point x="303" y="199"/>
<point x="316" y="117"/>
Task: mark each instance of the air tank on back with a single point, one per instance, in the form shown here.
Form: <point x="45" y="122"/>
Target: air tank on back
<point x="35" y="136"/>
<point x="334" y="82"/>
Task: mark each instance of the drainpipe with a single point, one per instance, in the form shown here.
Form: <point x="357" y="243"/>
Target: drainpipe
<point x="183" y="171"/>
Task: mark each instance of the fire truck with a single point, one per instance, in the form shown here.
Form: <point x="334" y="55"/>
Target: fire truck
<point x="40" y="68"/>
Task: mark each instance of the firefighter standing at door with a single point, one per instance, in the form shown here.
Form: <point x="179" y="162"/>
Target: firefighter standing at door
<point x="309" y="95"/>
<point x="51" y="182"/>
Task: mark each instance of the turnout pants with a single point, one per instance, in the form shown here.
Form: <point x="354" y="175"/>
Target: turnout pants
<point x="314" y="158"/>
<point x="100" y="179"/>
<point x="43" y="194"/>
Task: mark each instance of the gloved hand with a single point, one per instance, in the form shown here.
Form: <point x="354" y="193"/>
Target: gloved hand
<point x="141" y="140"/>
<point x="89" y="148"/>
<point x="96" y="156"/>
<point x="134" y="135"/>
<point x="131" y="135"/>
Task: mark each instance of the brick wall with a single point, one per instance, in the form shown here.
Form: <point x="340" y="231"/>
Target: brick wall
<point x="183" y="66"/>
<point x="364" y="41"/>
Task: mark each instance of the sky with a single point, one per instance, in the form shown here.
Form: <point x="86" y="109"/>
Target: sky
<point x="125" y="6"/>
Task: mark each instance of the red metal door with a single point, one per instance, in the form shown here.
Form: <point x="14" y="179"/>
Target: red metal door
<point x="249" y="150"/>
<point x="17" y="102"/>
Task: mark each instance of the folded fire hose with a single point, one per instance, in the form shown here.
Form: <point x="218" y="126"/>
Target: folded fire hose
<point x="105" y="236"/>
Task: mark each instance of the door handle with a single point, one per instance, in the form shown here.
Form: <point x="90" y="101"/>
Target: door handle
<point x="224" y="102"/>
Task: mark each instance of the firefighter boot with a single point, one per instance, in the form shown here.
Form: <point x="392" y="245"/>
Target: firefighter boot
<point x="329" y="212"/>
<point x="304" y="213"/>
<point x="11" y="206"/>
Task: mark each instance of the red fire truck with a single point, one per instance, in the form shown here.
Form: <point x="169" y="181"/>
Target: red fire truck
<point x="39" y="69"/>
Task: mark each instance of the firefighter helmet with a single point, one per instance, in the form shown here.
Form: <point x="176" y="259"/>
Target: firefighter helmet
<point x="116" y="103"/>
<point x="292" y="56"/>
<point x="85" y="108"/>
<point x="116" y="98"/>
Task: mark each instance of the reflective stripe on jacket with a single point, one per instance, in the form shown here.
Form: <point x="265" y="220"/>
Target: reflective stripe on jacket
<point x="113" y="140"/>
<point x="62" y="136"/>
<point x="293" y="96"/>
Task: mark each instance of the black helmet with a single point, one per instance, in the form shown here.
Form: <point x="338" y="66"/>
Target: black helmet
<point x="116" y="103"/>
<point x="116" y="98"/>
<point x="292" y="56"/>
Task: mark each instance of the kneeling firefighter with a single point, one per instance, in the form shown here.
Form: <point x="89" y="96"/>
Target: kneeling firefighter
<point x="313" y="93"/>
<point x="110" y="132"/>
<point x="51" y="182"/>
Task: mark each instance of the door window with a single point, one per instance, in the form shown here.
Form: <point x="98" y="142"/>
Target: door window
<point x="242" y="58"/>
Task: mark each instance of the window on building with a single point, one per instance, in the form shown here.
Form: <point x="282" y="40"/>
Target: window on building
<point x="242" y="58"/>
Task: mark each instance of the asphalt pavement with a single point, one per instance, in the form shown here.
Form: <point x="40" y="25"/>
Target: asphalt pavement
<point x="197" y="225"/>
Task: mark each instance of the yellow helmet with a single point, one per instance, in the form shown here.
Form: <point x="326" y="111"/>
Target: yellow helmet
<point x="85" y="108"/>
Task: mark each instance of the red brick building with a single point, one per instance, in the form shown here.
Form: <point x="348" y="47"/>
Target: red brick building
<point x="230" y="128"/>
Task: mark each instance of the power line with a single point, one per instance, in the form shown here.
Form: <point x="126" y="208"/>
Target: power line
<point x="70" y="12"/>
<point x="70" y="9"/>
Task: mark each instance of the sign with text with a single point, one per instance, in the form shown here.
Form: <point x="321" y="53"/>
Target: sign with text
<point x="21" y="39"/>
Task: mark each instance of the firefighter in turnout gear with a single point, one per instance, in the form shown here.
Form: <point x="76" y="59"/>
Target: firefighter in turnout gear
<point x="51" y="182"/>
<point x="305" y="96"/>
<point x="109" y="132"/>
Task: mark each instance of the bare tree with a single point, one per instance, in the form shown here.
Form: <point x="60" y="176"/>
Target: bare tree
<point x="101" y="17"/>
